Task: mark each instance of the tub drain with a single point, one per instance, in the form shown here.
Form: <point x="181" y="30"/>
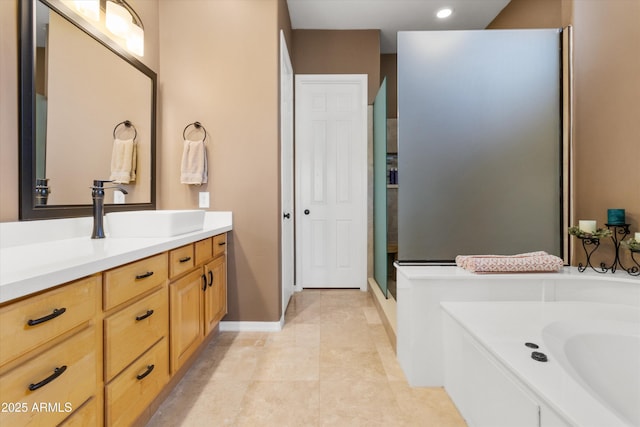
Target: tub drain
<point x="540" y="357"/>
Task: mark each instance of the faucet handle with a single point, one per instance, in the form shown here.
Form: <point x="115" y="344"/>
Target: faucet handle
<point x="99" y="183"/>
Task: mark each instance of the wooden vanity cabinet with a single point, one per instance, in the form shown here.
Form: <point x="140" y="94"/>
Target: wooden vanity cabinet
<point x="198" y="299"/>
<point x="102" y="350"/>
<point x="50" y="358"/>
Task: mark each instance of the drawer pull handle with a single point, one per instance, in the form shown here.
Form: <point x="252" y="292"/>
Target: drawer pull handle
<point x="56" y="312"/>
<point x="204" y="282"/>
<point x="145" y="275"/>
<point x="144" y="316"/>
<point x="56" y="373"/>
<point x="210" y="278"/>
<point x="147" y="372"/>
<point x="185" y="259"/>
<point x="222" y="243"/>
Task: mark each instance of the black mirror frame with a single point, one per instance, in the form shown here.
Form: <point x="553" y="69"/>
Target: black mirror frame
<point x="27" y="179"/>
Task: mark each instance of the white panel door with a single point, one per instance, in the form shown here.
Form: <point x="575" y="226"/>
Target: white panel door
<point x="331" y="175"/>
<point x="286" y="171"/>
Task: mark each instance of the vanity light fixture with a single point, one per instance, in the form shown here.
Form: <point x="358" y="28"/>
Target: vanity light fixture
<point x="89" y="9"/>
<point x="124" y="22"/>
<point x="444" y="13"/>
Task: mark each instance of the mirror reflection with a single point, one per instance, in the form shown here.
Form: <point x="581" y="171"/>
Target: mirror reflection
<point x="82" y="93"/>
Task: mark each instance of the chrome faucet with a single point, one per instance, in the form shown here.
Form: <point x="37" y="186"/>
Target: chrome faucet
<point x="97" y="193"/>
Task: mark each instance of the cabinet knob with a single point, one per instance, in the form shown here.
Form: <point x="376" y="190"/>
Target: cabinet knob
<point x="307" y="211"/>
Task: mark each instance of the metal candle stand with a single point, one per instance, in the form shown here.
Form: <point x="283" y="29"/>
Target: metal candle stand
<point x="621" y="230"/>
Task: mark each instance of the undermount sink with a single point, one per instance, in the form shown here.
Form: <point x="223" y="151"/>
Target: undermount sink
<point x="159" y="223"/>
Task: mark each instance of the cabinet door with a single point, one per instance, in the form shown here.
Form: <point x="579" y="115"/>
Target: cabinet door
<point x="186" y="316"/>
<point x="215" y="297"/>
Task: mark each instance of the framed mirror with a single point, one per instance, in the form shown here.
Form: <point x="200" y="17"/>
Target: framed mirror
<point x="77" y="88"/>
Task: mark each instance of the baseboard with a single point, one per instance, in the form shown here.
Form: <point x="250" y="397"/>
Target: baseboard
<point x="233" y="326"/>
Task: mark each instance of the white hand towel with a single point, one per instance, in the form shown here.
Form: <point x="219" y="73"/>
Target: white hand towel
<point x="123" y="161"/>
<point x="194" y="163"/>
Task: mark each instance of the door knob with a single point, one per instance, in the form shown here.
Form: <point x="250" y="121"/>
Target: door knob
<point x="287" y="215"/>
<point x="306" y="212"/>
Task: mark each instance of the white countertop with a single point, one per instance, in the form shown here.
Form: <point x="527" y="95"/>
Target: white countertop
<point x="41" y="263"/>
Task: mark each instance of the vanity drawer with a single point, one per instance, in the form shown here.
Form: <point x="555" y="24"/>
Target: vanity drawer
<point x="86" y="415"/>
<point x="131" y="392"/>
<point x="181" y="260"/>
<point x="204" y="250"/>
<point x="219" y="244"/>
<point x="50" y="314"/>
<point x="128" y="281"/>
<point x="131" y="331"/>
<point x="64" y="392"/>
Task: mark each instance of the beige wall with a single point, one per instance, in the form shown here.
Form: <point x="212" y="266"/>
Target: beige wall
<point x="530" y="14"/>
<point x="338" y="52"/>
<point x="607" y="111"/>
<point x="389" y="69"/>
<point x="219" y="65"/>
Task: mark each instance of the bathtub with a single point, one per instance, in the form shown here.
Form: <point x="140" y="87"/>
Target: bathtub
<point x="591" y="376"/>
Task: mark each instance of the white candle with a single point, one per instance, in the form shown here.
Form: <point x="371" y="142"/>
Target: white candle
<point x="588" y="226"/>
<point x="637" y="237"/>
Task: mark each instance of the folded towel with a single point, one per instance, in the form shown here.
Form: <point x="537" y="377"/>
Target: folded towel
<point x="528" y="262"/>
<point x="194" y="163"/>
<point x="123" y="161"/>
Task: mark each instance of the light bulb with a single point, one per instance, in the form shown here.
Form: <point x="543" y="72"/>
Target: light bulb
<point x="89" y="9"/>
<point x="118" y="19"/>
<point x="135" y="40"/>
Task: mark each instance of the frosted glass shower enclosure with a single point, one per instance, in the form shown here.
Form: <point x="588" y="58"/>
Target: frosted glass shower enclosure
<point x="480" y="143"/>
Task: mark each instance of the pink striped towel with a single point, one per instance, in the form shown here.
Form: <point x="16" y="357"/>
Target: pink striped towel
<point x="528" y="262"/>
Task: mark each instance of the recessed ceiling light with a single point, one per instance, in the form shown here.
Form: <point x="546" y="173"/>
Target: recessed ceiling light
<point x="444" y="13"/>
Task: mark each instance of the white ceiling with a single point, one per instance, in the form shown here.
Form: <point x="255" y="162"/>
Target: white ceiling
<point x="391" y="16"/>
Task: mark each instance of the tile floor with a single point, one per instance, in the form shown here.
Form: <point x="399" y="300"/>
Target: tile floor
<point x="331" y="365"/>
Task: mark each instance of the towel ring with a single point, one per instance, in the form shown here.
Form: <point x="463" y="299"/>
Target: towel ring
<point x="196" y="125"/>
<point x="127" y="124"/>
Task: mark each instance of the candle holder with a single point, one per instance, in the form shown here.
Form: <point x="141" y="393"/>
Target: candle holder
<point x="586" y="242"/>
<point x="617" y="233"/>
<point x="589" y="239"/>
<point x="618" y="230"/>
<point x="634" y="270"/>
<point x="634" y="248"/>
